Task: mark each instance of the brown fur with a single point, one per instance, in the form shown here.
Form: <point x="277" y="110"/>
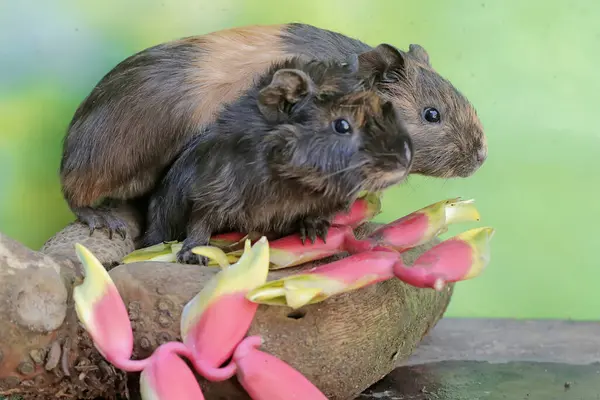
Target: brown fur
<point x="437" y="153"/>
<point x="235" y="58"/>
<point x="215" y="70"/>
<point x="358" y="106"/>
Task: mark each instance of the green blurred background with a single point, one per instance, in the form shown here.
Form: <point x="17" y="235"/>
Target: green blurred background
<point x="530" y="68"/>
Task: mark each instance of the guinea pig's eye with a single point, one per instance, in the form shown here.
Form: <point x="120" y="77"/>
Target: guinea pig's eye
<point x="431" y="115"/>
<point x="342" y="126"/>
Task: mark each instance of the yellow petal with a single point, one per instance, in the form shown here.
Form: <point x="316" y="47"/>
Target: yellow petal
<point x="147" y="253"/>
<point x="296" y="290"/>
<point x="436" y="213"/>
<point x="170" y="257"/>
<point x="213" y="253"/>
<point x="265" y="294"/>
<point x="479" y="239"/>
<point x="458" y="211"/>
<point x="231" y="258"/>
<point x="300" y="297"/>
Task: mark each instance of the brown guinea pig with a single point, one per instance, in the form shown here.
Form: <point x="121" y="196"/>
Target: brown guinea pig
<point x="291" y="152"/>
<point x="142" y="113"/>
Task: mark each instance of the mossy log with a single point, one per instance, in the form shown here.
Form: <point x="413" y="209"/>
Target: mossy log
<point x="343" y="345"/>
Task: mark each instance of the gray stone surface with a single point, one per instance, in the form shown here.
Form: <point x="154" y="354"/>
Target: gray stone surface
<point x="510" y="340"/>
<point x="470" y="359"/>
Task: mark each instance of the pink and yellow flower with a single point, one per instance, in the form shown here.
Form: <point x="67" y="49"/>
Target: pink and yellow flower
<point x="459" y="258"/>
<point x="218" y="317"/>
<point x="324" y="281"/>
<point x="423" y="225"/>
<point x="101" y="310"/>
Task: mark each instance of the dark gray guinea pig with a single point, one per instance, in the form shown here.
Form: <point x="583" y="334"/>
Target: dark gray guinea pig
<point x="291" y="152"/>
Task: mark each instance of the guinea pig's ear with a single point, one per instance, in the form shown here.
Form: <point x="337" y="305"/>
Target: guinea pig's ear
<point x="419" y="53"/>
<point x="384" y="63"/>
<point x="287" y="87"/>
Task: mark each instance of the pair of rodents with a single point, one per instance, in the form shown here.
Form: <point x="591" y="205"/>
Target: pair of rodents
<point x="141" y="115"/>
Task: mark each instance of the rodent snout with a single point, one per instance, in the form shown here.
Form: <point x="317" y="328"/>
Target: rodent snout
<point x="407" y="154"/>
<point x="403" y="153"/>
<point x="402" y="158"/>
<point x="481" y="155"/>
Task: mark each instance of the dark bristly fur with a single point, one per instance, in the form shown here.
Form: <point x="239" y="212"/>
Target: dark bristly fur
<point x="140" y="115"/>
<point x="273" y="163"/>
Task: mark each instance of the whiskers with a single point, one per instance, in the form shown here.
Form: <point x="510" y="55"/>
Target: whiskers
<point x="347" y="169"/>
<point x="377" y="155"/>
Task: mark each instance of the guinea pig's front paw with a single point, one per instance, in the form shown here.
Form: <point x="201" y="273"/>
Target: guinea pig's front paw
<point x="102" y="218"/>
<point x="185" y="256"/>
<point x="313" y="227"/>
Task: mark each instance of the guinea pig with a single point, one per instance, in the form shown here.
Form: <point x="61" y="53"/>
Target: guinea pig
<point x="143" y="112"/>
<point x="291" y="152"/>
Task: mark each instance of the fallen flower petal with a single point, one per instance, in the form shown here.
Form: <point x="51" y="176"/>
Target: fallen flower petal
<point x="350" y="273"/>
<point x="459" y="258"/>
<point x="101" y="310"/>
<point x="167" y="251"/>
<point x="218" y="317"/>
<point x="168" y="377"/>
<point x="266" y="377"/>
<point x="214" y="254"/>
<point x="158" y="252"/>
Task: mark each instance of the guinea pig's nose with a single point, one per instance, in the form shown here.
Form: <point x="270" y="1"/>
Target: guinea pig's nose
<point x="481" y="155"/>
<point x="405" y="156"/>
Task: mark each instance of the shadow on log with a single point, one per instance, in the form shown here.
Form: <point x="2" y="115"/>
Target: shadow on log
<point x="343" y="345"/>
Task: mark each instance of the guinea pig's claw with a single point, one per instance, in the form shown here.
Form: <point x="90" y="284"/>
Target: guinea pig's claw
<point x="322" y="231"/>
<point x="307" y="230"/>
<point x="313" y="228"/>
<point x="118" y="227"/>
<point x="103" y="218"/>
<point x="185" y="256"/>
<point x="121" y="231"/>
<point x="302" y="234"/>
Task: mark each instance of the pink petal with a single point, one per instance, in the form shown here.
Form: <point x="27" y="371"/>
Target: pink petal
<point x="101" y="310"/>
<point x="265" y="377"/>
<point x="459" y="258"/>
<point x="367" y="267"/>
<point x="169" y="378"/>
<point x="220" y="329"/>
<point x="113" y="336"/>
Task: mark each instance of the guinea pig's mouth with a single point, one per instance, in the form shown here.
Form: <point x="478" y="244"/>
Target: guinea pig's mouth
<point x="391" y="178"/>
<point x="465" y="171"/>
